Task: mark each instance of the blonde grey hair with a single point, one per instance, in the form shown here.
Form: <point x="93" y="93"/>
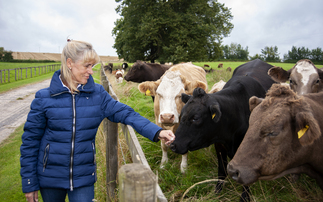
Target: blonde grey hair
<point x="76" y="50"/>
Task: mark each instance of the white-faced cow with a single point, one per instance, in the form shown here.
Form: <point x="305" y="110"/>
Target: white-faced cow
<point x="221" y="118"/>
<point x="284" y="137"/>
<point x="141" y="71"/>
<point x="119" y="75"/>
<point x="181" y="78"/>
<point x="303" y="78"/>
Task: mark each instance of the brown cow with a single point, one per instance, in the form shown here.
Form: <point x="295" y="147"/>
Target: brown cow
<point x="181" y="78"/>
<point x="304" y="77"/>
<point x="284" y="137"/>
<point x="220" y="65"/>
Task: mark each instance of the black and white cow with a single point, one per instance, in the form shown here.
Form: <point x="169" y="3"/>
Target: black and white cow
<point x="221" y="118"/>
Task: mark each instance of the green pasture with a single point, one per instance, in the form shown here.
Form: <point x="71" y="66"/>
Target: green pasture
<point x="197" y="183"/>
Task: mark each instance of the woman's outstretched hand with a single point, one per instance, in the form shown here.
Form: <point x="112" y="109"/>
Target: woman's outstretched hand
<point x="167" y="135"/>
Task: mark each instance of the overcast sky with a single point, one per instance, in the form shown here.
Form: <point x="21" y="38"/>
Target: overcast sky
<point x="44" y="25"/>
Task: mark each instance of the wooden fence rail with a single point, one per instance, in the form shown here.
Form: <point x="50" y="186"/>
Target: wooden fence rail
<point x="137" y="155"/>
<point x="26" y="72"/>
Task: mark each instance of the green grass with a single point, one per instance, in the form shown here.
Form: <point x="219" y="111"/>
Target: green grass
<point x="202" y="164"/>
<point x="10" y="185"/>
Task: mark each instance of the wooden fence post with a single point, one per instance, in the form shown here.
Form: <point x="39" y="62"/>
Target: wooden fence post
<point x="111" y="132"/>
<point x="137" y="183"/>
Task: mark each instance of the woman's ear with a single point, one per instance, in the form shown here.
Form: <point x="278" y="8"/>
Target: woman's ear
<point x="69" y="62"/>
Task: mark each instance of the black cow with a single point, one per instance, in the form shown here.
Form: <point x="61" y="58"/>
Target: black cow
<point x="124" y="66"/>
<point x="109" y="67"/>
<point x="141" y="71"/>
<point x="222" y="118"/>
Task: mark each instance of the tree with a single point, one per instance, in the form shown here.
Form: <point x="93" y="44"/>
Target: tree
<point x="296" y="54"/>
<point x="235" y="52"/>
<point x="7" y="56"/>
<point x="317" y="55"/>
<point x="270" y="54"/>
<point x="171" y="30"/>
<point x="1" y="53"/>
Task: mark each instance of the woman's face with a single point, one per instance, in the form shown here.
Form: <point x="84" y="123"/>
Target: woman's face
<point x="80" y="70"/>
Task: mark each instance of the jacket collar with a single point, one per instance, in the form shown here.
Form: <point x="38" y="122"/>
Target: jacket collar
<point x="56" y="86"/>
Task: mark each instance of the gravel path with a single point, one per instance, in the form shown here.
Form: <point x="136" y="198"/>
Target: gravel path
<point x="15" y="106"/>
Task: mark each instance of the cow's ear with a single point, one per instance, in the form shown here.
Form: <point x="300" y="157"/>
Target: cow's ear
<point x="200" y="84"/>
<point x="185" y="97"/>
<point x="148" y="87"/>
<point x="215" y="112"/>
<point x="307" y="128"/>
<point x="254" y="102"/>
<point x="278" y="74"/>
<point x="320" y="72"/>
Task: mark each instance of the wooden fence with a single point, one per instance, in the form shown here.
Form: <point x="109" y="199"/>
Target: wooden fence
<point x="7" y="75"/>
<point x="138" y="157"/>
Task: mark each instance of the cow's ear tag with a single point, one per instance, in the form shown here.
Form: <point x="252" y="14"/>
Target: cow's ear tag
<point x="148" y="92"/>
<point x="302" y="131"/>
<point x="213" y="115"/>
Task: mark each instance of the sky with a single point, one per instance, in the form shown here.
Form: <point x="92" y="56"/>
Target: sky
<point x="45" y="25"/>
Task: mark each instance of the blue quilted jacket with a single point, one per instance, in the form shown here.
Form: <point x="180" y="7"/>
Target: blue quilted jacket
<point x="58" y="144"/>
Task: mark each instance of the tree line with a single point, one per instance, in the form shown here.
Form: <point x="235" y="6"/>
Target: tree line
<point x="5" y="56"/>
<point x="235" y="51"/>
<point x="190" y="30"/>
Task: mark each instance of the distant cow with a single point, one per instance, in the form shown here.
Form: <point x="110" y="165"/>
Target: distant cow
<point x="229" y="69"/>
<point x="141" y="71"/>
<point x="304" y="77"/>
<point x="108" y="68"/>
<point x="119" y="75"/>
<point x="220" y="65"/>
<point x="284" y="137"/>
<point x="221" y="118"/>
<point x="167" y="104"/>
<point x="124" y="66"/>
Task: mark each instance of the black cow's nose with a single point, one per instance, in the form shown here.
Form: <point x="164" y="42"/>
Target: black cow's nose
<point x="234" y="173"/>
<point x="172" y="147"/>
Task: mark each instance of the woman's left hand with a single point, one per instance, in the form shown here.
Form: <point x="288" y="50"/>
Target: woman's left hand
<point x="167" y="135"/>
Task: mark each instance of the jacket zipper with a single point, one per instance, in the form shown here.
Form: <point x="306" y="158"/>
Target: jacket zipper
<point x="93" y="148"/>
<point x="73" y="144"/>
<point x="46" y="153"/>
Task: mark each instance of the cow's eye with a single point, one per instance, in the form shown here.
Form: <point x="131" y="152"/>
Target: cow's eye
<point x="291" y="81"/>
<point x="195" y="118"/>
<point x="318" y="81"/>
<point x="272" y="134"/>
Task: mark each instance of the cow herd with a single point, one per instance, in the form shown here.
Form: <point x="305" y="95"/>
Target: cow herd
<point x="266" y="128"/>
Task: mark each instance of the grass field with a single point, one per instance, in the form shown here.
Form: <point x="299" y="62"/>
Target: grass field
<point x="202" y="164"/>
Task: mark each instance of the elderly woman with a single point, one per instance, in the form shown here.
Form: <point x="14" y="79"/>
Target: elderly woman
<point x="58" y="144"/>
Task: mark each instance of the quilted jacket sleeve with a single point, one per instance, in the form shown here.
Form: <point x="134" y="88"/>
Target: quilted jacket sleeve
<point x="33" y="131"/>
<point x="121" y="113"/>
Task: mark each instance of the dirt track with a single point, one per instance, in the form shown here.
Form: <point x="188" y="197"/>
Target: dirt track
<point x="15" y="106"/>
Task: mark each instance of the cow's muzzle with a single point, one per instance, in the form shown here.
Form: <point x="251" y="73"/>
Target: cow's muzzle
<point x="242" y="174"/>
<point x="172" y="147"/>
<point x="167" y="118"/>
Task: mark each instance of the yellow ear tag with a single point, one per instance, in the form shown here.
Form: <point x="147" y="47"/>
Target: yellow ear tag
<point x="302" y="131"/>
<point x="148" y="92"/>
<point x="213" y="115"/>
